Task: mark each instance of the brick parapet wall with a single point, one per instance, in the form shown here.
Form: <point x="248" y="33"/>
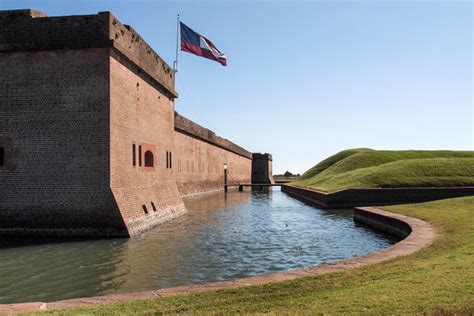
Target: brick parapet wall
<point x="32" y="30"/>
<point x="199" y="166"/>
<point x="188" y="127"/>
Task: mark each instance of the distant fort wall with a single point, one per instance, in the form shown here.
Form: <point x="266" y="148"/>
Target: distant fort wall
<point x="201" y="157"/>
<point x="262" y="168"/>
<point x="90" y="140"/>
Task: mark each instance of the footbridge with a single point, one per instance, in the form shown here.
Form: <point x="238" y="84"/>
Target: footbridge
<point x="253" y="185"/>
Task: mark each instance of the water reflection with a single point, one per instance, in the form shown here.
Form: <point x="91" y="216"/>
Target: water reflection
<point x="222" y="237"/>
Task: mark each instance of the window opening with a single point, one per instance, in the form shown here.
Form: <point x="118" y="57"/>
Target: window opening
<point x="149" y="159"/>
<point x="134" y="155"/>
<point x="140" y="155"/>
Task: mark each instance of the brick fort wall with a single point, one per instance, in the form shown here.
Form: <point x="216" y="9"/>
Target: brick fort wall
<point x="55" y="129"/>
<point x="201" y="156"/>
<point x="90" y="139"/>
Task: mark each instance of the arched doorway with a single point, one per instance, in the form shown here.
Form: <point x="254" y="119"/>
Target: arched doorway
<point x="149" y="159"/>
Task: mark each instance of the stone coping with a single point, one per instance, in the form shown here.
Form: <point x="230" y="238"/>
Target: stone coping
<point x="418" y="234"/>
<point x="348" y="198"/>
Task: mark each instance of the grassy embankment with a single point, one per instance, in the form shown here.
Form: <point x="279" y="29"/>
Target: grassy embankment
<point x="437" y="279"/>
<point x="285" y="179"/>
<point x="367" y="168"/>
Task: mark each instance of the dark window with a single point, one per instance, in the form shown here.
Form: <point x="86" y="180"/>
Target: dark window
<point x="145" y="209"/>
<point x="139" y="155"/>
<point x="153" y="206"/>
<point x="148" y="159"/>
<point x="167" y="160"/>
<point x="171" y="160"/>
<point x="2" y="156"/>
<point x="134" y="155"/>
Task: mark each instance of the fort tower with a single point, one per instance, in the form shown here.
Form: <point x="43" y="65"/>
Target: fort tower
<point x="262" y="169"/>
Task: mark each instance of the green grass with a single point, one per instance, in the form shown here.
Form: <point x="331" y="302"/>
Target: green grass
<point x="284" y="179"/>
<point x="366" y="168"/>
<point x="438" y="279"/>
<point x="328" y="162"/>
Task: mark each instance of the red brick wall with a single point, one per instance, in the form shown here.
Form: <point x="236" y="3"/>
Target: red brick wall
<point x="142" y="115"/>
<point x="199" y="166"/>
<point x="55" y="126"/>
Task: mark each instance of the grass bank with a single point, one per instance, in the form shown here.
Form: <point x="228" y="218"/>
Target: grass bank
<point x="437" y="279"/>
<point x="284" y="179"/>
<point x="367" y="168"/>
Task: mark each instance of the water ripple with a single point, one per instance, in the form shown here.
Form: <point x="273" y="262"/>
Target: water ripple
<point x="221" y="238"/>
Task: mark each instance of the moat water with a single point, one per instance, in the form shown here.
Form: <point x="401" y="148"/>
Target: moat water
<point x="223" y="237"/>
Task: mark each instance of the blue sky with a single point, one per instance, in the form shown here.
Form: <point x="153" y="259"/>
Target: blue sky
<point x="307" y="79"/>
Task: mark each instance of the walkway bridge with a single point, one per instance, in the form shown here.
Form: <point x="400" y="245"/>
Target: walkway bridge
<point x="253" y="185"/>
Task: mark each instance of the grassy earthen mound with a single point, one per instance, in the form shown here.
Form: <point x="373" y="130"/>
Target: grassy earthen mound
<point x="367" y="168"/>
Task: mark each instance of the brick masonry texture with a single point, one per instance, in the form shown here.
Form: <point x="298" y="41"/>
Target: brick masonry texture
<point x="33" y="30"/>
<point x="201" y="156"/>
<point x="55" y="127"/>
<point x="199" y="166"/>
<point x="85" y="104"/>
<point x="188" y="127"/>
<point x="141" y="115"/>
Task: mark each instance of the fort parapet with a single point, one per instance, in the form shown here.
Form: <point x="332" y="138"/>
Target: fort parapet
<point x="186" y="126"/>
<point x="90" y="144"/>
<point x="31" y="30"/>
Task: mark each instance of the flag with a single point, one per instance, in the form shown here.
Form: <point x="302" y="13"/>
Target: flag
<point x="197" y="44"/>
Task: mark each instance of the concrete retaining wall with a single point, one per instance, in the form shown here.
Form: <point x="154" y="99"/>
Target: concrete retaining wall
<point x="372" y="197"/>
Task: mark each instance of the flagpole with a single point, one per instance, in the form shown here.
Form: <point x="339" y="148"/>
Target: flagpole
<point x="177" y="44"/>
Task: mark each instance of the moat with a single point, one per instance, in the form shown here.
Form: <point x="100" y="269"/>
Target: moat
<point x="223" y="237"/>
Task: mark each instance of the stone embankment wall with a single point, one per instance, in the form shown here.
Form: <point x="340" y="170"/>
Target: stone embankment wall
<point x="373" y="197"/>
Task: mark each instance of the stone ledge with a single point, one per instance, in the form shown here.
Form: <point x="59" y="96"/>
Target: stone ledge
<point x="418" y="234"/>
<point x="371" y="197"/>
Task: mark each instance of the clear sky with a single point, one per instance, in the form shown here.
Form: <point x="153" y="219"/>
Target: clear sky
<point x="307" y="79"/>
